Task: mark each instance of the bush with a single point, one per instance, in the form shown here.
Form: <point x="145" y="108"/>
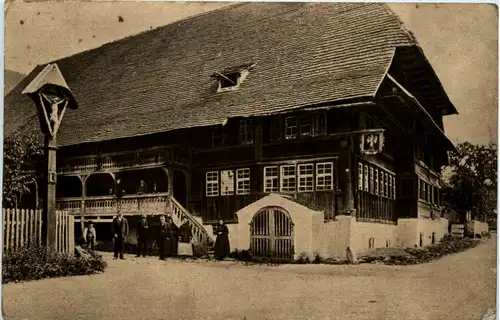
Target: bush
<point x="406" y="256"/>
<point x="38" y="262"/>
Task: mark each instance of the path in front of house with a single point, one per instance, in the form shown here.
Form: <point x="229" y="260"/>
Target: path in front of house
<point x="457" y="287"/>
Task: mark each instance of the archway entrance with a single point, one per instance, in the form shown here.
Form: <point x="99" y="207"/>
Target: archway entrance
<point x="271" y="234"/>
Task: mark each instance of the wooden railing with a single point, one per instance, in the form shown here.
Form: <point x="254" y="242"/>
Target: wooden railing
<point x="112" y="161"/>
<point x="154" y="203"/>
<point x="150" y="204"/>
<point x="200" y="234"/>
<point x="23" y="228"/>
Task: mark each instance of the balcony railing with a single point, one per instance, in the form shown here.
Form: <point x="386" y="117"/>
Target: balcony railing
<point x="150" y="204"/>
<point x="112" y="161"/>
<point x="156" y="203"/>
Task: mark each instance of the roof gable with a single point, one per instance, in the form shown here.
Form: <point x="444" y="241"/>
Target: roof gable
<point x="161" y="80"/>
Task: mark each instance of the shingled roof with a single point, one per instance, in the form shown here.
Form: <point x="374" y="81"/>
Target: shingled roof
<point x="160" y="80"/>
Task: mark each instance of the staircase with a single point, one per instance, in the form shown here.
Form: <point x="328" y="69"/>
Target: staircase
<point x="200" y="234"/>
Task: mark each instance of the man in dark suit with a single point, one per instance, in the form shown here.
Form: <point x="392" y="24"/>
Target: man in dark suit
<point x="142" y="235"/>
<point x="162" y="237"/>
<point x="120" y="231"/>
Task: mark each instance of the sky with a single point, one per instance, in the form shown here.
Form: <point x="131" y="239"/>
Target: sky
<point x="459" y="40"/>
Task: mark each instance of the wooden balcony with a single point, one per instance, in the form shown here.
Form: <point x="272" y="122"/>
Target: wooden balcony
<point x="150" y="204"/>
<point x="154" y="204"/>
<point x="115" y="161"/>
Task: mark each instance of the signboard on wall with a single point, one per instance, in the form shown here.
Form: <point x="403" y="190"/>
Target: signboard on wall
<point x="227" y="182"/>
<point x="372" y="142"/>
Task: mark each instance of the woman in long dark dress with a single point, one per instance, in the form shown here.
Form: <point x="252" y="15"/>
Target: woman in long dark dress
<point x="171" y="242"/>
<point x="222" y="248"/>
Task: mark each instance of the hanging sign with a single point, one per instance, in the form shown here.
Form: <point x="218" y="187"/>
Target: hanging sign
<point x="372" y="142"/>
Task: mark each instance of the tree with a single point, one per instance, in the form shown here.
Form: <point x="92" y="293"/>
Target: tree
<point x="23" y="161"/>
<point x="471" y="180"/>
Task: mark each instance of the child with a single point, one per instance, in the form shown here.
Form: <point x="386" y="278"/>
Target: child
<point x="90" y="236"/>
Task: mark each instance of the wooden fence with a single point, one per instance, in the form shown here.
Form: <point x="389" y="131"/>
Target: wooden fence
<point x="24" y="228"/>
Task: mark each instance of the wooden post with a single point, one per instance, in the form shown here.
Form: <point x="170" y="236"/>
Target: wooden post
<point x="49" y="219"/>
<point x="170" y="176"/>
<point x="188" y="178"/>
<point x="346" y="169"/>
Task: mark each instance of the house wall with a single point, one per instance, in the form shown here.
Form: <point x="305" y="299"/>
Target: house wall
<point x="406" y="233"/>
<point x="335" y="237"/>
<point x="428" y="226"/>
<point x="382" y="233"/>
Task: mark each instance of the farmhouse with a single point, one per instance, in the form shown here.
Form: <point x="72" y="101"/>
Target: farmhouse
<point x="306" y="127"/>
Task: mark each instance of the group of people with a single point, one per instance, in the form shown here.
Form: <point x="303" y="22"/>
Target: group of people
<point x="170" y="239"/>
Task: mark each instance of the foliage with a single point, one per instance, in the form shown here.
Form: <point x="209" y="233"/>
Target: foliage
<point x="23" y="158"/>
<point x="471" y="180"/>
<point x="38" y="262"/>
<point x="408" y="256"/>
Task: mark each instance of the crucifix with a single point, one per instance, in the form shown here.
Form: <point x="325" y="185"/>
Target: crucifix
<point x="52" y="97"/>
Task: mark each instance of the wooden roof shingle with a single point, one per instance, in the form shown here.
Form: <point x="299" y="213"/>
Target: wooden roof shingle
<point x="161" y="80"/>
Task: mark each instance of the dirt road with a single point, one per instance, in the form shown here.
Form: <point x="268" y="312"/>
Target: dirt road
<point x="458" y="287"/>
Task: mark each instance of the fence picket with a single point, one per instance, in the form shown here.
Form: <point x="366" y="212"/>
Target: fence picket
<point x="12" y="226"/>
<point x="22" y="227"/>
<point x="6" y="213"/>
<point x="39" y="226"/>
<point x="31" y="227"/>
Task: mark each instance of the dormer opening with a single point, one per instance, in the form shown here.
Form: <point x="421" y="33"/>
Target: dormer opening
<point x="229" y="80"/>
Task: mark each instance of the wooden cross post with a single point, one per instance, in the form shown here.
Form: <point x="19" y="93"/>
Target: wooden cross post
<point x="49" y="219"/>
<point x="52" y="97"/>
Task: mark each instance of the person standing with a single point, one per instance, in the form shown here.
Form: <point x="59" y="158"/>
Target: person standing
<point x="143" y="188"/>
<point x="171" y="243"/>
<point x="222" y="249"/>
<point x="185" y="238"/>
<point x="89" y="235"/>
<point x="120" y="231"/>
<point x="161" y="238"/>
<point x="142" y="235"/>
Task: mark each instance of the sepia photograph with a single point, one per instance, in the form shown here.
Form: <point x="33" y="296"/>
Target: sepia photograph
<point x="249" y="160"/>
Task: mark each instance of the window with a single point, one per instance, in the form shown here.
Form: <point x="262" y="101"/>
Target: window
<point x="243" y="181"/>
<point x="275" y="132"/>
<point x="218" y="136"/>
<point x="390" y="188"/>
<point x="360" y="176"/>
<point x="306" y="177"/>
<point x="212" y="184"/>
<point x="386" y="185"/>
<point x="306" y="127"/>
<point x="319" y="125"/>
<point x="288" y="180"/>
<point x="324" y="176"/>
<point x="271" y="179"/>
<point x="229" y="80"/>
<point x="227" y="182"/>
<point x="291" y="128"/>
<point x="375" y="194"/>
<point x="394" y="187"/>
<point x="366" y="178"/>
<point x="371" y="180"/>
<point x="246" y="131"/>
<point x="381" y="181"/>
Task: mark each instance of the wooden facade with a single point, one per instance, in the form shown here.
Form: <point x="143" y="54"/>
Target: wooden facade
<point x="313" y="156"/>
<point x="347" y="123"/>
